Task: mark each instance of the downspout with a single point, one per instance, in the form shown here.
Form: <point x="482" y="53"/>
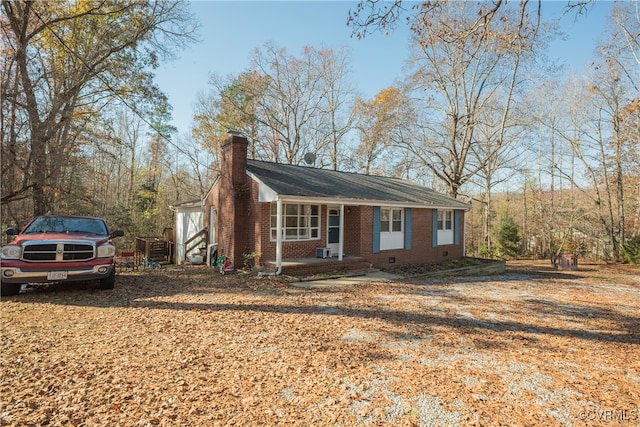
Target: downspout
<point x="278" y="242"/>
<point x="279" y="237"/>
<point x="341" y="236"/>
<point x="464" y="234"/>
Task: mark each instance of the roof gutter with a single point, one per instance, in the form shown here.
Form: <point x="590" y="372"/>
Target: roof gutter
<point x="366" y="202"/>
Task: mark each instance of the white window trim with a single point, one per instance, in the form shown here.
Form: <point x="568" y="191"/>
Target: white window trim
<point x="309" y="228"/>
<point x="445" y="227"/>
<point x="392" y="239"/>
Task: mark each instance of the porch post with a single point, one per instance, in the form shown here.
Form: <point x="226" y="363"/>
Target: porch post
<point x="279" y="235"/>
<point x="464" y="234"/>
<point x="341" y="243"/>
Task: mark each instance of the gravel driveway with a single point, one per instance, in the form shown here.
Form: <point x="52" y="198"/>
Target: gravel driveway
<point x="187" y="346"/>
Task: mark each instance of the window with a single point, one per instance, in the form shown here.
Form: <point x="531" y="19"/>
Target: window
<point x="62" y="224"/>
<point x="445" y="227"/>
<point x="299" y="222"/>
<point x="390" y="220"/>
<point x="445" y="221"/>
<point x="391" y="228"/>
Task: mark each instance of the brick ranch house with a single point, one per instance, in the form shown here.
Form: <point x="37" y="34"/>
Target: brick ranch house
<point x="313" y="220"/>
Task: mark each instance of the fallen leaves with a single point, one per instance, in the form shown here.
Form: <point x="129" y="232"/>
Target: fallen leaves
<point x="190" y="347"/>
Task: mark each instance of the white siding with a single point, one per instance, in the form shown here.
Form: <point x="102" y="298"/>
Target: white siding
<point x="188" y="222"/>
<point x="445" y="237"/>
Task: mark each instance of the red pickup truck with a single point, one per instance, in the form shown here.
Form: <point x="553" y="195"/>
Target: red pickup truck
<point x="59" y="248"/>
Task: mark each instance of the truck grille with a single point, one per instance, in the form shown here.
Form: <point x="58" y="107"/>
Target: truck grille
<point x="58" y="252"/>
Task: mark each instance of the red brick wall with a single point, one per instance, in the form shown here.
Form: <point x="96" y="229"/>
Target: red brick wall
<point x="358" y="236"/>
<point x="303" y="249"/>
<point x="243" y="223"/>
<point x="232" y="199"/>
<point x="212" y="200"/>
<point x="352" y="232"/>
<point x="260" y="224"/>
<point x="421" y="250"/>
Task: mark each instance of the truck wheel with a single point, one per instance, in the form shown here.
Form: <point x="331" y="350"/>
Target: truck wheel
<point x="109" y="281"/>
<point x="9" y="289"/>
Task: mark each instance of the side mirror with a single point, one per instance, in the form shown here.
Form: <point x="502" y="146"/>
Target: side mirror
<point x="117" y="233"/>
<point x="12" y="231"/>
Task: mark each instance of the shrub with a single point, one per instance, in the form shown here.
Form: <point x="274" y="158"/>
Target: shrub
<point x="249" y="259"/>
<point x="631" y="250"/>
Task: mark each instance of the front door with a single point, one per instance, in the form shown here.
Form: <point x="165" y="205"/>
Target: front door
<point x="333" y="229"/>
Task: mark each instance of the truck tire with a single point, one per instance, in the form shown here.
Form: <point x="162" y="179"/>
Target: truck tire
<point x="9" y="289"/>
<point x="109" y="282"/>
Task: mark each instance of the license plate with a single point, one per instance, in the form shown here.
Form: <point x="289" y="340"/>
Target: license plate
<point x="56" y="275"/>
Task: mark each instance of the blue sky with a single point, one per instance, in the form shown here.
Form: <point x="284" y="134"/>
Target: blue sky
<point x="231" y="30"/>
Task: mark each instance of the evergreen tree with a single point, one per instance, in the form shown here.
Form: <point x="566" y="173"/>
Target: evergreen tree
<point x="508" y="238"/>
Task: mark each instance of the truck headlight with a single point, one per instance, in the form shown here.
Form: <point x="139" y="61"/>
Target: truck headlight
<point x="11" y="252"/>
<point x="106" y="251"/>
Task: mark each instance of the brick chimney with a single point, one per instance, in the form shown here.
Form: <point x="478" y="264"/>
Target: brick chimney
<point x="234" y="200"/>
<point x="234" y="158"/>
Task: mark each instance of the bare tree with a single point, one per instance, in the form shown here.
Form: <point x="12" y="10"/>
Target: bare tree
<point x="299" y="110"/>
<point x="378" y="122"/>
<point x="468" y="62"/>
<point x="338" y="97"/>
<point x="69" y="59"/>
<point x="604" y="114"/>
<point x="497" y="165"/>
<point x="231" y="105"/>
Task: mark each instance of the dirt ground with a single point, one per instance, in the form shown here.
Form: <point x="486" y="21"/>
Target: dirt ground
<point x="187" y="346"/>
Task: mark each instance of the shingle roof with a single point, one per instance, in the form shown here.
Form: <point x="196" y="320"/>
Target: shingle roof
<point x="301" y="181"/>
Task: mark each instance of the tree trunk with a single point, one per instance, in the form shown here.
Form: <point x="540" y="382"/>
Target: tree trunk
<point x="486" y="226"/>
<point x="619" y="180"/>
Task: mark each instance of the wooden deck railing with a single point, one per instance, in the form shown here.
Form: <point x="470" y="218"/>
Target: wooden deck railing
<point x="198" y="240"/>
<point x="154" y="249"/>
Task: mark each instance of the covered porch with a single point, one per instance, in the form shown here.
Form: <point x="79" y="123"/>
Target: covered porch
<point x="311" y="266"/>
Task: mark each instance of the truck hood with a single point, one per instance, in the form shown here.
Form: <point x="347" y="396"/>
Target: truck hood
<point x="61" y="237"/>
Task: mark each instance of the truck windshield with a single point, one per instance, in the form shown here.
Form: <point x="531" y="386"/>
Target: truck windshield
<point x="55" y="224"/>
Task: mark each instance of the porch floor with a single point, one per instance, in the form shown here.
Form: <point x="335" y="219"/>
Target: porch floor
<point x="302" y="266"/>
